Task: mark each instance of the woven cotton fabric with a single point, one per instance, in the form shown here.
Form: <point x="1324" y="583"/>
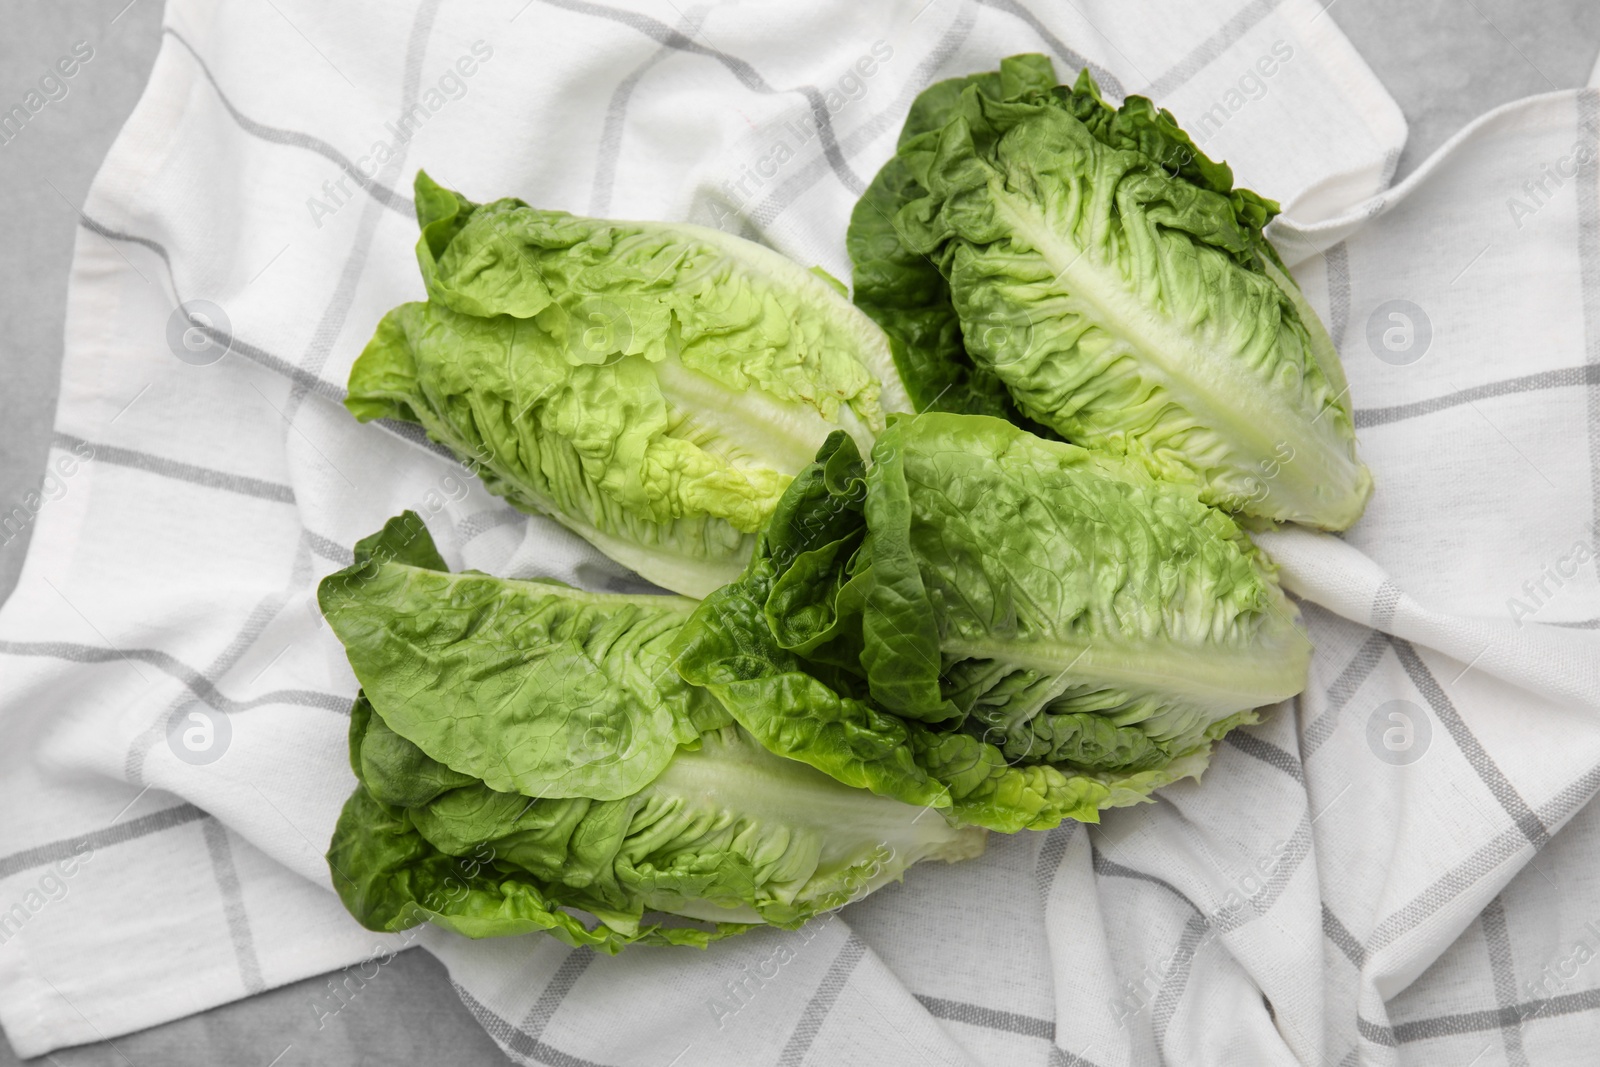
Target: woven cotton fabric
<point x="1400" y="866"/>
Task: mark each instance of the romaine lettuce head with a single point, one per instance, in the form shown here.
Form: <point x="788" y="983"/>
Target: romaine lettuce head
<point x="527" y="759"/>
<point x="1013" y="629"/>
<point x="652" y="386"/>
<point x="1111" y="278"/>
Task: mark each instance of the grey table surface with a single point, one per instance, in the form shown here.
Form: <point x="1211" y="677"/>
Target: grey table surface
<point x="1444" y="61"/>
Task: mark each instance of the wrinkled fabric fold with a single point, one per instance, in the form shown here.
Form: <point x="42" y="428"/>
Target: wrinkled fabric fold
<point x="1395" y="868"/>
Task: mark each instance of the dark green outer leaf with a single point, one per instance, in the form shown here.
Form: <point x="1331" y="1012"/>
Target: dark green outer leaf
<point x="730" y="835"/>
<point x="903" y="290"/>
<point x="531" y="687"/>
<point x="805" y="708"/>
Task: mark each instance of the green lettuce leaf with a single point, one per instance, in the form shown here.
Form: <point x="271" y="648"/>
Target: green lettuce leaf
<point x="485" y="803"/>
<point x="803" y="694"/>
<point x="1033" y="630"/>
<point x="902" y="289"/>
<point x="730" y="836"/>
<point x="651" y="386"/>
<point x="529" y="686"/>
<point x="1111" y="277"/>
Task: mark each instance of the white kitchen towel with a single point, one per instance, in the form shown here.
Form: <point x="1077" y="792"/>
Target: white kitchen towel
<point x="1397" y="867"/>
